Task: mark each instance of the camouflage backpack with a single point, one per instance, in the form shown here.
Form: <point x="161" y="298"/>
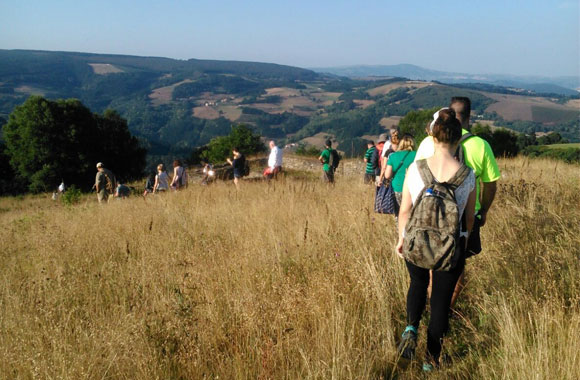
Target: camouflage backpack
<point x="110" y="182"/>
<point x="432" y="234"/>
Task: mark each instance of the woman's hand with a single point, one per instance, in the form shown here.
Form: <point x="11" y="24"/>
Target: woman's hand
<point x="399" y="248"/>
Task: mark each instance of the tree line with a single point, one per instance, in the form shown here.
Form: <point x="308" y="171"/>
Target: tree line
<point x="47" y="142"/>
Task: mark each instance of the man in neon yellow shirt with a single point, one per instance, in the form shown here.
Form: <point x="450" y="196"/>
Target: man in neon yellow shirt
<point x="479" y="157"/>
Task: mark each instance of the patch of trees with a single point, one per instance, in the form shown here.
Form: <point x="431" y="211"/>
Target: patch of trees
<point x="52" y="141"/>
<point x="569" y="129"/>
<point x="222" y="84"/>
<point x="570" y="155"/>
<point x="220" y="148"/>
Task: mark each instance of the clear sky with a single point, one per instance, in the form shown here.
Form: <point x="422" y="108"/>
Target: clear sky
<point x="481" y="36"/>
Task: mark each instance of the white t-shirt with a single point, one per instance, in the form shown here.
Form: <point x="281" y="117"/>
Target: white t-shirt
<point x="163" y="180"/>
<point x="275" y="158"/>
<point x="415" y="185"/>
<point x="386" y="147"/>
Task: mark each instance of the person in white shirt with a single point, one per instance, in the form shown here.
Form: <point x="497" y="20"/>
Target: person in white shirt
<point x="274" y="161"/>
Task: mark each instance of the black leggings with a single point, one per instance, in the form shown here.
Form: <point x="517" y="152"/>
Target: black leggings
<point x="441" y="292"/>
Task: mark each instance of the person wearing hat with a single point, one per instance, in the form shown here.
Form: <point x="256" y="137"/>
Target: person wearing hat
<point x="105" y="183"/>
<point x="376" y="157"/>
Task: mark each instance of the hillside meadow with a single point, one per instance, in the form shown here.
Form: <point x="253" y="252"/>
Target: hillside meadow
<point x="287" y="280"/>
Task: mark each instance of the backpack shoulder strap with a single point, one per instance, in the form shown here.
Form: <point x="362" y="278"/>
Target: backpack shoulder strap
<point x="459" y="176"/>
<point x="425" y="172"/>
<point x="459" y="153"/>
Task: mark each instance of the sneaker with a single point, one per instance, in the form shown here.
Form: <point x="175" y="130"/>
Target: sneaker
<point x="428" y="367"/>
<point x="408" y="344"/>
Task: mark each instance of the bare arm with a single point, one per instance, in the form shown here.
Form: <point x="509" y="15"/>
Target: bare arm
<point x="174" y="179"/>
<point x="404" y="211"/>
<point x="383" y="169"/>
<point x="470" y="211"/>
<point x="488" y="195"/>
<point x="156" y="183"/>
<point x="321" y="159"/>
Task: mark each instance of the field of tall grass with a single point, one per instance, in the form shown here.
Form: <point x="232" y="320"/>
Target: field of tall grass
<point x="287" y="280"/>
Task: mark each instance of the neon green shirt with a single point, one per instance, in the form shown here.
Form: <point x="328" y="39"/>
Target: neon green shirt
<point x="478" y="156"/>
<point x="326" y="159"/>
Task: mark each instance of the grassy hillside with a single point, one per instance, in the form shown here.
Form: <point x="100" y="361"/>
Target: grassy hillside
<point x="288" y="280"/>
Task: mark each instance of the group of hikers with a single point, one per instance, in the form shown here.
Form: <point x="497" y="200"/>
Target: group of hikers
<point x="107" y="187"/>
<point x="440" y="193"/>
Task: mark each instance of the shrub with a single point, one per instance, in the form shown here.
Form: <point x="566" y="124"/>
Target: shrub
<point x="72" y="196"/>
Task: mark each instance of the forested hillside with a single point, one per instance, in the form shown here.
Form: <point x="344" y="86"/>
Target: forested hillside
<point x="176" y="105"/>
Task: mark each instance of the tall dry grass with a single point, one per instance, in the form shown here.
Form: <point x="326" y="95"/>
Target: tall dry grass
<point x="289" y="280"/>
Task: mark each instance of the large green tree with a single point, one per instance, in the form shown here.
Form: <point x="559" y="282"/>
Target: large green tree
<point x="49" y="141"/>
<point x="242" y="137"/>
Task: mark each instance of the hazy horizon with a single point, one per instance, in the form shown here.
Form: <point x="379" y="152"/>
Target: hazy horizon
<point x="521" y="38"/>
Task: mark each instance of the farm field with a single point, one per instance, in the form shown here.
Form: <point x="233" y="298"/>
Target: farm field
<point x="286" y="280"/>
<point x="517" y="107"/>
<point x="385" y="89"/>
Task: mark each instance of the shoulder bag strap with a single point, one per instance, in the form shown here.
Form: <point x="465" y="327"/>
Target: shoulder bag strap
<point x="401" y="164"/>
<point x="425" y="172"/>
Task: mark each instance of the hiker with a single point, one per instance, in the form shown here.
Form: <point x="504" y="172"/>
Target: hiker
<point x="397" y="165"/>
<point x="369" y="164"/>
<point x="179" y="181"/>
<point x="437" y="191"/>
<point x="208" y="173"/>
<point x="329" y="159"/>
<point x="161" y="180"/>
<point x="274" y="161"/>
<point x="376" y="157"/>
<point x="105" y="183"/>
<point x="239" y="165"/>
<point x="389" y="148"/>
<point x="149" y="185"/>
<point x="477" y="155"/>
<point x="122" y="191"/>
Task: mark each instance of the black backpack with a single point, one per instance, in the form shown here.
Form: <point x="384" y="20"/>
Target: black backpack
<point x="334" y="159"/>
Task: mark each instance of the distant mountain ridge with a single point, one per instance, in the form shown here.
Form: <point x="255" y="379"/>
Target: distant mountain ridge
<point x="563" y="85"/>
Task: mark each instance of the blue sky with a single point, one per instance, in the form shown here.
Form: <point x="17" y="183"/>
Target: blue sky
<point x="503" y="37"/>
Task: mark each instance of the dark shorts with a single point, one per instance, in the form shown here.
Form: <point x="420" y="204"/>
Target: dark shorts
<point x="238" y="173"/>
<point x="329" y="175"/>
<point x="369" y="177"/>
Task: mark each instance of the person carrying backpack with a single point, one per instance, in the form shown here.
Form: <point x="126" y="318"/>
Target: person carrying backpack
<point x="179" y="181"/>
<point x="330" y="160"/>
<point x="105" y="183"/>
<point x="437" y="211"/>
<point x="477" y="154"/>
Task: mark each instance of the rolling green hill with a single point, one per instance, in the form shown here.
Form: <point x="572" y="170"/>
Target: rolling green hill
<point x="175" y="105"/>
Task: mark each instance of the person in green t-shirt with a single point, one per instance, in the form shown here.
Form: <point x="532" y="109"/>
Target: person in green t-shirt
<point x="369" y="168"/>
<point x="397" y="165"/>
<point x="324" y="158"/>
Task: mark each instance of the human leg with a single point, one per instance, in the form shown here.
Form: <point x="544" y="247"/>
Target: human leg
<point x="441" y="293"/>
<point x="416" y="298"/>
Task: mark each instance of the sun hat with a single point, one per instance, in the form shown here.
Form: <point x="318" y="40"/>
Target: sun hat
<point x="382" y="138"/>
